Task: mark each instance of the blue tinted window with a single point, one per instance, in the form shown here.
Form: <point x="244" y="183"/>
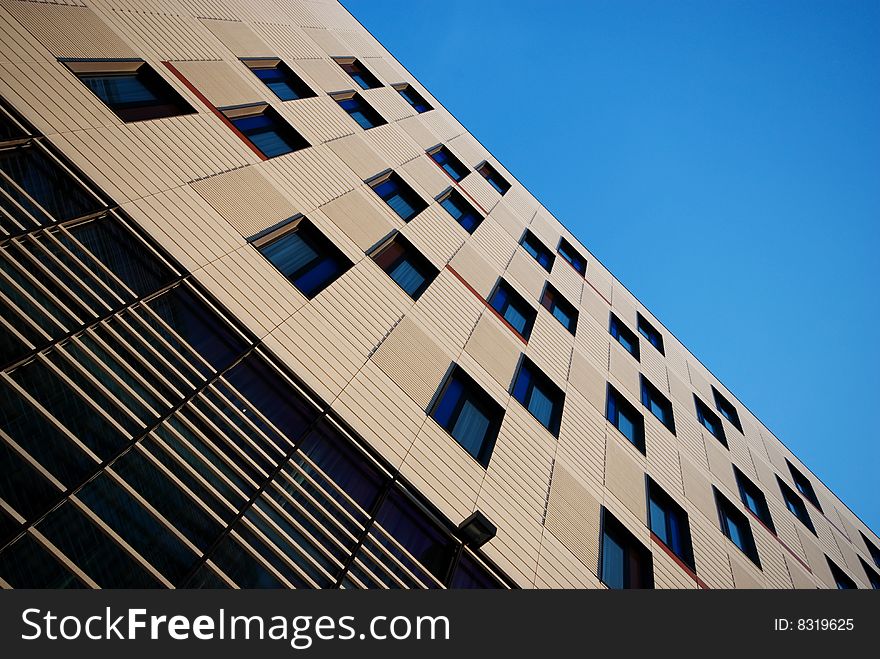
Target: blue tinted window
<point x="461" y="211"/>
<point x="306" y="258"/>
<point x="562" y="309"/>
<point x="401" y="198"/>
<point x="540" y="252"/>
<point x="283" y="82"/>
<point x="736" y="527"/>
<point x="625" y="418"/>
<point x="136" y="95"/>
<point x="358" y="73"/>
<point x="624" y="336"/>
<point x="406" y="266"/>
<point x="513" y="308"/>
<point x="449" y="163"/>
<point x="669" y="522"/>
<point x="753" y="499"/>
<point x="543" y="399"/>
<point x="660" y="406"/>
<point x="571" y="256"/>
<point x="710" y="421"/>
<point x="269" y="133"/>
<point x="796" y="505"/>
<point x="469" y="415"/>
<point x="415" y="99"/>
<point x="625" y="562"/>
<point x="647" y="330"/>
<point x="727" y="409"/>
<point x="494" y="178"/>
<point x="365" y="116"/>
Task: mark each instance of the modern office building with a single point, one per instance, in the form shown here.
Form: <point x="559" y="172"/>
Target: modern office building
<point x="271" y="317"/>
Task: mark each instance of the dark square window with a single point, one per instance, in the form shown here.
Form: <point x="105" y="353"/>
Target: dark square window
<point x="562" y="309"/>
<point x="753" y="499"/>
<point x="399" y="196"/>
<point x="669" y="522"/>
<point x="131" y="88"/>
<point x="659" y="405"/>
<point x="567" y="251"/>
<point x="795" y="505"/>
<point x="279" y="77"/>
<point x="540" y="252"/>
<point x="358" y="72"/>
<point x="495" y="179"/>
<point x="841" y="579"/>
<point x="411" y="96"/>
<point x="710" y="421"/>
<point x="449" y="163"/>
<point x="625" y="336"/>
<point x="871" y="573"/>
<point x="405" y="265"/>
<point x="727" y="409"/>
<point x="469" y="414"/>
<point x="735" y="526"/>
<point x="647" y="330"/>
<point x="512" y="306"/>
<point x="359" y="110"/>
<point x="625" y="418"/>
<point x="263" y="127"/>
<point x="460" y="210"/>
<point x="304" y="255"/>
<point x="624" y="562"/>
<point x="873" y="549"/>
<point x="804" y="486"/>
<point x="539" y="395"/>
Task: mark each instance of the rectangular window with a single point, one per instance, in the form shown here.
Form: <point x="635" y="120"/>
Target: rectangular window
<point x="411" y="96"/>
<point x="795" y="505"/>
<point x="460" y="210"/>
<point x="728" y="411"/>
<point x="469" y="414"/>
<point x="669" y="522"/>
<point x="871" y="573"/>
<point x="572" y="256"/>
<point x="448" y="162"/>
<point x="625" y="336"/>
<point x="625" y="418"/>
<point x="399" y="196"/>
<point x="873" y="549"/>
<point x="804" y="485"/>
<point x="512" y="306"/>
<point x="263" y="127"/>
<point x="647" y="330"/>
<point x="736" y="527"/>
<point x="131" y="88"/>
<point x="405" y="265"/>
<point x="625" y="563"/>
<point x="359" y="110"/>
<point x="304" y="255"/>
<point x="279" y="78"/>
<point x="495" y="179"/>
<point x="753" y="499"/>
<point x="358" y="72"/>
<point x="562" y="309"/>
<point x="539" y="395"/>
<point x="710" y="421"/>
<point x="659" y="405"/>
<point x="841" y="579"/>
<point x="540" y="252"/>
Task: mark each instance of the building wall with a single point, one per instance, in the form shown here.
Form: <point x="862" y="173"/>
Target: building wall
<point x="366" y="349"/>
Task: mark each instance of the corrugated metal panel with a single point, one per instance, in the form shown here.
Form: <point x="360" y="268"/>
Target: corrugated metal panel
<point x="559" y="568"/>
<point x="326" y="74"/>
<point x="509" y="221"/>
<point x="526" y="271"/>
<point x="287" y="41"/>
<point x="246" y="198"/>
<point x="240" y="39"/>
<point x="388" y="102"/>
<point x="326" y="41"/>
<point x="625" y="476"/>
<point x="423" y="136"/>
<point x="393" y="144"/>
<point x="581" y="443"/>
<point x="573" y="517"/>
<point x="432" y="311"/>
<point x="222" y="84"/>
<point x="413" y="361"/>
<point x="360" y="217"/>
<point x="711" y="553"/>
<point x="183" y="37"/>
<point x="435" y="235"/>
<point x="494" y="349"/>
<point x="311" y="177"/>
<point x="319" y="119"/>
<point x="358" y="155"/>
<point x="427" y="175"/>
<point x="550" y="347"/>
<point x="68" y="31"/>
<point x="469" y="263"/>
<point x="480" y="190"/>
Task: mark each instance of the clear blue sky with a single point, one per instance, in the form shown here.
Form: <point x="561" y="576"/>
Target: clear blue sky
<point x="721" y="158"/>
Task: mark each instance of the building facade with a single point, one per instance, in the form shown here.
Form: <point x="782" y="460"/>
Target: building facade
<point x="271" y="317"/>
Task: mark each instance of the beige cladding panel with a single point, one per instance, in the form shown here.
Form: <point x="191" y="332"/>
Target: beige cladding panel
<point x="573" y="517"/>
<point x="698" y="490"/>
<point x="221" y="84"/>
<point x="238" y="38"/>
<point x="492" y="346"/>
<point x="246" y="198"/>
<point x="360" y="217"/>
<point x="67" y="31"/>
<point x="413" y="361"/>
<point x="326" y="74"/>
<point x="587" y="379"/>
<point x="625" y="477"/>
